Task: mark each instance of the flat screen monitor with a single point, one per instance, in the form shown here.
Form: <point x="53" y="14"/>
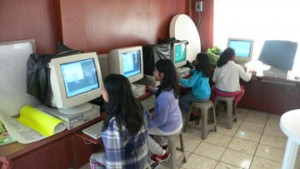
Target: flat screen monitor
<point x="128" y="62"/>
<point x="243" y="49"/>
<point x="279" y="54"/>
<point x="75" y="80"/>
<point x="178" y="54"/>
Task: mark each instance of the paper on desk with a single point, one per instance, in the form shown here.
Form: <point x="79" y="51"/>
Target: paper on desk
<point x="39" y="121"/>
<point x="18" y="131"/>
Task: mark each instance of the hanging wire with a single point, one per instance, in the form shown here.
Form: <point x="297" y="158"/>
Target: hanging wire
<point x="199" y="19"/>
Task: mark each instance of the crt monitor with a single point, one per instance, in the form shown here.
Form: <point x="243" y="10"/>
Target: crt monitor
<point x="243" y="49"/>
<point x="178" y="54"/>
<point x="279" y="54"/>
<point x="127" y="61"/>
<point x="75" y="80"/>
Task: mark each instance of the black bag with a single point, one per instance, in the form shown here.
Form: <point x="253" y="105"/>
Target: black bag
<point x="153" y="53"/>
<point x="38" y="73"/>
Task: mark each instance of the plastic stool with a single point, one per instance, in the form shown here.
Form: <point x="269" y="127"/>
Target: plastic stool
<point x="173" y="161"/>
<point x="204" y="107"/>
<point x="231" y="108"/>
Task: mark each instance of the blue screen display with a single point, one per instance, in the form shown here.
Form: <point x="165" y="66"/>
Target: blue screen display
<point x="131" y="62"/>
<point x="242" y="47"/>
<point x="79" y="77"/>
<point x="180" y="53"/>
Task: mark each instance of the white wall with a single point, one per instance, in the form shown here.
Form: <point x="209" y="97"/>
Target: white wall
<point x="259" y="20"/>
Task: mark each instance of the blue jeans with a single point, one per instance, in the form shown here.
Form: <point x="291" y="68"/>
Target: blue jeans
<point x="186" y="101"/>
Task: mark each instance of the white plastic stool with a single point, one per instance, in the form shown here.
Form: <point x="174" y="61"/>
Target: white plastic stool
<point x="289" y="124"/>
<point x="230" y="106"/>
<point x="173" y="161"/>
<point x="205" y="126"/>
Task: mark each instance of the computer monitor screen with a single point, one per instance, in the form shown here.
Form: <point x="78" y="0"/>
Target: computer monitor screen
<point x="178" y="54"/>
<point x="243" y="49"/>
<point x="128" y="62"/>
<point x="75" y="80"/>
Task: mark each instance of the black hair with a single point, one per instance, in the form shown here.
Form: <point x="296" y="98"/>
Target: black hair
<point x="169" y="80"/>
<point x="203" y="64"/>
<point x="122" y="104"/>
<point x="225" y="56"/>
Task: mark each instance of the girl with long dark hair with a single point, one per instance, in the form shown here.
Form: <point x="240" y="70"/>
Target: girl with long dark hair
<point x="124" y="131"/>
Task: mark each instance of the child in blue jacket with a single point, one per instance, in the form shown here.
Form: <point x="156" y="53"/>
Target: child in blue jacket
<point x="199" y="82"/>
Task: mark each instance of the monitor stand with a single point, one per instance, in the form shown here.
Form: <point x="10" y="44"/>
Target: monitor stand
<point x="183" y="71"/>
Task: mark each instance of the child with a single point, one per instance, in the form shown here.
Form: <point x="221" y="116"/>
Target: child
<point x="167" y="118"/>
<point x="227" y="77"/>
<point x="124" y="131"/>
<point x="199" y="82"/>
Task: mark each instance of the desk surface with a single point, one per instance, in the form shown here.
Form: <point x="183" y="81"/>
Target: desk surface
<point x="261" y="73"/>
<point x="16" y="149"/>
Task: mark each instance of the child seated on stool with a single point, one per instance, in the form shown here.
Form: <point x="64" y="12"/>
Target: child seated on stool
<point x="124" y="131"/>
<point x="166" y="119"/>
<point x="199" y="82"/>
<point x="227" y="77"/>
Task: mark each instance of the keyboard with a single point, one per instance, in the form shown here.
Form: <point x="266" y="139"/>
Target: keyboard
<point x="94" y="130"/>
<point x="149" y="102"/>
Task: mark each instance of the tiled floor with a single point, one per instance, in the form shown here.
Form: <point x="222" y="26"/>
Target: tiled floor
<point x="254" y="142"/>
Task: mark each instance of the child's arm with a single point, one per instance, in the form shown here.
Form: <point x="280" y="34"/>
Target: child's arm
<point x="191" y="81"/>
<point x="162" y="105"/>
<point x="151" y="89"/>
<point x="243" y="74"/>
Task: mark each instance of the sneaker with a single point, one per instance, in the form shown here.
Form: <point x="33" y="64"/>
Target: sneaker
<point x="160" y="158"/>
<point x="165" y="147"/>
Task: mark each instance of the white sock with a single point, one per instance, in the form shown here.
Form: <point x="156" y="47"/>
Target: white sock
<point x="164" y="152"/>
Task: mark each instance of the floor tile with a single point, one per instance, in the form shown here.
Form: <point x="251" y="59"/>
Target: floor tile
<point x="222" y="165"/>
<point x="248" y="135"/>
<point x="210" y="150"/>
<point x="218" y="139"/>
<point x="274" y="141"/>
<point x="274" y="131"/>
<point x="271" y="153"/>
<point x="262" y="163"/>
<point x="190" y="144"/>
<point x="273" y="122"/>
<point x="242" y="145"/>
<point x="237" y="158"/>
<point x="258" y="113"/>
<point x="196" y="161"/>
<point x="252" y="126"/>
<point x="192" y="133"/>
<point x="274" y="116"/>
<point x="221" y="129"/>
<point x="255" y="118"/>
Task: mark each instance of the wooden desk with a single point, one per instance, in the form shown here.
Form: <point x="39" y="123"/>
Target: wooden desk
<point x="271" y="94"/>
<point x="61" y="151"/>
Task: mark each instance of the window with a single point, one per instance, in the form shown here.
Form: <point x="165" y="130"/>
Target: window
<point x="259" y="20"/>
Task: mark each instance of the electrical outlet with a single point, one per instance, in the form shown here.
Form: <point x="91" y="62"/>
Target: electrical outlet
<point x="198" y="6"/>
